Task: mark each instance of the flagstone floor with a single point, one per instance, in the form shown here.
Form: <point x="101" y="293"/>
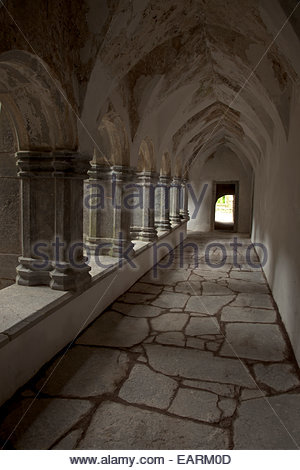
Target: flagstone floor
<point x="191" y="357"/>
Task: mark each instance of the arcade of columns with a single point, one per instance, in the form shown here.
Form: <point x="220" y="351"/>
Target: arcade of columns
<point x="123" y="205"/>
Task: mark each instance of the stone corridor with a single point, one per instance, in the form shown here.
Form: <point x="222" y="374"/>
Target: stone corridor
<point x="192" y="357"/>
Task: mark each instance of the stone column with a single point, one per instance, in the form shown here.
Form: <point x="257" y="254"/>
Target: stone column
<point x="121" y="239"/>
<point x="175" y="201"/>
<point x="37" y="217"/>
<point x="184" y="213"/>
<point x="162" y="204"/>
<point x="109" y="219"/>
<point x="99" y="206"/>
<point x="147" y="180"/>
<point x="70" y="270"/>
<point x="136" y="202"/>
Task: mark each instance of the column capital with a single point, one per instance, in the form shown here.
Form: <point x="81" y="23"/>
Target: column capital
<point x="121" y="172"/>
<point x="164" y="180"/>
<point x="147" y="176"/>
<point x="99" y="171"/>
<point x="68" y="164"/>
<point x="34" y="163"/>
<point x="176" y="181"/>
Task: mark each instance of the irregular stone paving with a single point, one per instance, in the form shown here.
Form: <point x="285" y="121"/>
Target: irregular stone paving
<point x="193" y="356"/>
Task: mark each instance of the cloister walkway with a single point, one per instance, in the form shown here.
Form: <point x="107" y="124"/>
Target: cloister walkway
<point x="193" y="356"/>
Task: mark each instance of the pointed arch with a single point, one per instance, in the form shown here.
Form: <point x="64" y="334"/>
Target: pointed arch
<point x="36" y="103"/>
<point x="113" y="148"/>
<point x="146" y="156"/>
<point x="165" y="168"/>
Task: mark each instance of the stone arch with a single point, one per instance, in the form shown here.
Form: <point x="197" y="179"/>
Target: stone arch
<point x="8" y="134"/>
<point x="35" y="101"/>
<point x="178" y="166"/>
<point x="46" y="130"/>
<point x="146" y="160"/>
<point x="165" y="169"/>
<point x="10" y="228"/>
<point x="185" y="171"/>
<point x="113" y="148"/>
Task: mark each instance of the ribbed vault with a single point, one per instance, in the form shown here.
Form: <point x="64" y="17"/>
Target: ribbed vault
<point x="193" y="77"/>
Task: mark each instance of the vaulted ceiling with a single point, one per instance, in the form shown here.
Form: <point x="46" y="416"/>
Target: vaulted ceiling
<point x="191" y="76"/>
<point x="196" y="75"/>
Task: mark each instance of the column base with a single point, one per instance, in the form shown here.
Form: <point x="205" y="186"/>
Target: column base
<point x="29" y="274"/>
<point x="115" y="247"/>
<point x="184" y="215"/>
<point x="134" y="232"/>
<point x="175" y="220"/>
<point x="147" y="234"/>
<point x="163" y="225"/>
<point x="65" y="277"/>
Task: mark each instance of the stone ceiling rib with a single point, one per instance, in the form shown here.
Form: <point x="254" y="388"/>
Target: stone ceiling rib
<point x="173" y="60"/>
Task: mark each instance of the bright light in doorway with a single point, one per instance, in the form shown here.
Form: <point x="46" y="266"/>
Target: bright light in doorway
<point x="224" y="209"/>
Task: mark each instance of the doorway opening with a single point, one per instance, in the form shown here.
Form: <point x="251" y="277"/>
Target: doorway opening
<point x="225" y="206"/>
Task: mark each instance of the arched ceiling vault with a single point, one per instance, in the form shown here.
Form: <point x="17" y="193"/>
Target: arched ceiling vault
<point x="41" y="116"/>
<point x="194" y="76"/>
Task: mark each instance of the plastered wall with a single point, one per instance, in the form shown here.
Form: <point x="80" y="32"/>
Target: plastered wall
<point x="276" y="221"/>
<point x="223" y="166"/>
